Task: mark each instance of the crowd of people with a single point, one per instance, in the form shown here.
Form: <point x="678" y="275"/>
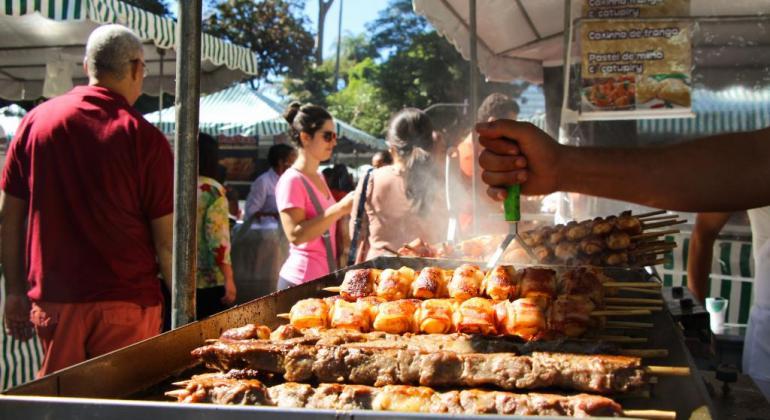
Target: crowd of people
<point x="87" y="205"/>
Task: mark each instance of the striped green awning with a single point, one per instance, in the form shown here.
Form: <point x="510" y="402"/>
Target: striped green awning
<point x="729" y="110"/>
<point x="241" y="111"/>
<point x="150" y="27"/>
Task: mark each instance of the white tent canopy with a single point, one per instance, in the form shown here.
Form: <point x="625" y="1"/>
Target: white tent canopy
<point x="516" y="38"/>
<point x="52" y="33"/>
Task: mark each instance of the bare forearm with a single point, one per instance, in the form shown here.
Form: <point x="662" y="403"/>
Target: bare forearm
<point x="310" y="229"/>
<point x="164" y="260"/>
<point x="699" y="260"/>
<point x="12" y="247"/>
<point x="720" y="173"/>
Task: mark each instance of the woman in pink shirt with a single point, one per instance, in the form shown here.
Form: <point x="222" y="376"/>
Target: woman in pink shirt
<point x="309" y="213"/>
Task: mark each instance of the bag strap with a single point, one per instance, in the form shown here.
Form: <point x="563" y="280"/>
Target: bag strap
<point x="357" y="221"/>
<point x="326" y="235"/>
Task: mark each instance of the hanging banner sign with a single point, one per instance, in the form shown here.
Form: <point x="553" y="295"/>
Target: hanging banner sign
<point x="625" y="9"/>
<point x="635" y="69"/>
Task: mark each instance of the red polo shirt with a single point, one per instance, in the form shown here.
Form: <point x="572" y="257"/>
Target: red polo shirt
<point x="95" y="173"/>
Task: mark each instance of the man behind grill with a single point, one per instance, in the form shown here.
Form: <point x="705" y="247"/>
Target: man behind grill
<point x="714" y="174"/>
<point x="90" y="182"/>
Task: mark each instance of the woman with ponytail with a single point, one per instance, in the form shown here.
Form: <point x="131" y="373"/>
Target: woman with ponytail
<point x="308" y="211"/>
<point x="402" y="201"/>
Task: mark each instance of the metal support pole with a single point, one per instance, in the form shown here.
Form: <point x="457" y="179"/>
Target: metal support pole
<point x="475" y="174"/>
<point x="162" y="55"/>
<point x="188" y="65"/>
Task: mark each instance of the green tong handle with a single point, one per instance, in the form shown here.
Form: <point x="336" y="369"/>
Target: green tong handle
<point x="511" y="204"/>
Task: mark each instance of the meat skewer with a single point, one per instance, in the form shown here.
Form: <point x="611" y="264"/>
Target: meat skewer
<point x="528" y="318"/>
<point x="502" y="282"/>
<point x="431" y="343"/>
<point x="219" y="388"/>
<point x="375" y="366"/>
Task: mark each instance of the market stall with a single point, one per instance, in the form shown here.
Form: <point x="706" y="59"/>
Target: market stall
<point x="143" y="373"/>
<point x="42" y="46"/>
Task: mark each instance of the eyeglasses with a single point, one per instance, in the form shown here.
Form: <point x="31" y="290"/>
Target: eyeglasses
<point x="145" y="72"/>
<point x="329" y="136"/>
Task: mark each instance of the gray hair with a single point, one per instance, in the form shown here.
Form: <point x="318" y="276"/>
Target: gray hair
<point x="110" y="49"/>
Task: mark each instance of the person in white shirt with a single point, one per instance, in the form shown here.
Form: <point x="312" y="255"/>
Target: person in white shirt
<point x="261" y="200"/>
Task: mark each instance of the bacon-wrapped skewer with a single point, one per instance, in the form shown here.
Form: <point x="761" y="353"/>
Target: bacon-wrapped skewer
<point x="523" y="317"/>
<point x="502" y="282"/>
<point x="359" y="283"/>
<point x="435" y="316"/>
<point x="466" y="282"/>
<point x="538" y="284"/>
<point x="430" y="283"/>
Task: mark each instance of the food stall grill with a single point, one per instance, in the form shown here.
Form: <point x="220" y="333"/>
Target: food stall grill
<point x="129" y="383"/>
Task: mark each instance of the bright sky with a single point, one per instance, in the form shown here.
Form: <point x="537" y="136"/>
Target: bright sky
<point x="355" y="15"/>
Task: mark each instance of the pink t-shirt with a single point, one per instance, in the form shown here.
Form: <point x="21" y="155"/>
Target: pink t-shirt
<point x="306" y="261"/>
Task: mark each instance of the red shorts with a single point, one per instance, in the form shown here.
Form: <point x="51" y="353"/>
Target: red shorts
<point x="73" y="332"/>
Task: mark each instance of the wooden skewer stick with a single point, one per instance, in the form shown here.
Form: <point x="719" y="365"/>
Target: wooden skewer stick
<point x="668" y="370"/>
<point x="662" y="224"/>
<point x="641" y="301"/>
<point x="614" y="311"/>
<point x="176" y="393"/>
<point x="181" y="383"/>
<point x="626" y="324"/>
<point x="652" y="251"/>
<point x="621" y="339"/>
<point x="333" y="289"/>
<point x="624" y="284"/>
<point x="389" y="249"/>
<point x="655" y="262"/>
<point x="621" y="312"/>
<point x="663" y="217"/>
<point x="640" y="290"/>
<point x="654" y="234"/>
<point x="632" y="308"/>
<point x="651" y="414"/>
<point x="648" y="214"/>
<point x="644" y="353"/>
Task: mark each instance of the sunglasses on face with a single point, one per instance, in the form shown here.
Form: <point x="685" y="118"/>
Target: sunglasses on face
<point x="329" y="136"/>
<point x="145" y="72"/>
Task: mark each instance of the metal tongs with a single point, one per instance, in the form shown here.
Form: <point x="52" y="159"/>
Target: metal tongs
<point x="512" y="209"/>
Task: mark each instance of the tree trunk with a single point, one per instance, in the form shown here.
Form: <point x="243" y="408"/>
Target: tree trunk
<point x="323" y="8"/>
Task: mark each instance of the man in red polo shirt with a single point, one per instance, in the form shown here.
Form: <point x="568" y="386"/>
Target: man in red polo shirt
<point x="90" y="183"/>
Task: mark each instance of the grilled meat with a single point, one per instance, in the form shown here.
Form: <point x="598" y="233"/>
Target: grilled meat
<point x="214" y="388"/>
<point x="389" y="366"/>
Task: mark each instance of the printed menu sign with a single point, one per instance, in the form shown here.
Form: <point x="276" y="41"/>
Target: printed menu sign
<point x="635" y="65"/>
<point x="624" y="9"/>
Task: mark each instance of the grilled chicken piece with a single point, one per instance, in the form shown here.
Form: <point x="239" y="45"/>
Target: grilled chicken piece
<point x="521" y="318"/>
<point x="501" y="283"/>
<point x="466" y="282"/>
<point x="310" y="313"/>
<point x="435" y="316"/>
<point x="396" y="317"/>
<point x="475" y="316"/>
<point x="430" y="283"/>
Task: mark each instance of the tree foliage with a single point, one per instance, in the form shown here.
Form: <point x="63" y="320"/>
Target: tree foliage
<point x="360" y="102"/>
<point x="273" y="29"/>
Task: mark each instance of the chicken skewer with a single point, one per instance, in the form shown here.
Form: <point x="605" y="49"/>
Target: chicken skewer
<point x="565" y="316"/>
<point x="500" y="283"/>
<point x="220" y="388"/>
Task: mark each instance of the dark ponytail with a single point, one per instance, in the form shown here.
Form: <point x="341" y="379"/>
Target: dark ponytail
<point x="410" y="133"/>
<point x="308" y="118"/>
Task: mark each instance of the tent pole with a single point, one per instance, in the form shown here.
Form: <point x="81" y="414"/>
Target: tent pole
<point x="475" y="148"/>
<point x="162" y="55"/>
<point x="186" y="161"/>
